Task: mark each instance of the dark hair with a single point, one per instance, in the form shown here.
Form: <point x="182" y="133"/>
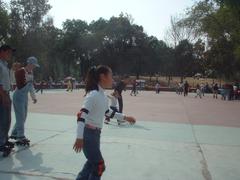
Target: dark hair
<point x="93" y="77"/>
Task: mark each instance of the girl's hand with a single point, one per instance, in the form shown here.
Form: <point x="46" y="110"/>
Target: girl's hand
<point x="130" y="119"/>
<point x="78" y="145"/>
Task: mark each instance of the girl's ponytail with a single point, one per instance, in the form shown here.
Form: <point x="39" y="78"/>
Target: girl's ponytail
<point x="91" y="80"/>
<point x="93" y="77"/>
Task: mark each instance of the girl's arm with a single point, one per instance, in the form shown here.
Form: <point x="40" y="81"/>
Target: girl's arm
<point x="81" y="117"/>
<point x="109" y="96"/>
<point x="32" y="93"/>
<point x="119" y="116"/>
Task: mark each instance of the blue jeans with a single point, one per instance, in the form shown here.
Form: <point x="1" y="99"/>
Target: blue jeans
<point x="20" y="104"/>
<point x="5" y="121"/>
<point x="94" y="167"/>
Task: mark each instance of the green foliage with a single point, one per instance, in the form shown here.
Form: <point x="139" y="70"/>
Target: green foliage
<point x="219" y="22"/>
<point x="4" y="22"/>
<point x="123" y="45"/>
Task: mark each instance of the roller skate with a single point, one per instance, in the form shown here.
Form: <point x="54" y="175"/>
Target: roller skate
<point x="107" y="120"/>
<point x="13" y="137"/>
<point x="23" y="141"/>
<point x="5" y="151"/>
<point x="9" y="144"/>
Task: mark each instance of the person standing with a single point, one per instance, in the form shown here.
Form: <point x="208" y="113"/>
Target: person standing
<point x="134" y="88"/>
<point x="120" y="86"/>
<point x="215" y="91"/>
<point x="69" y="85"/>
<point x="5" y="101"/>
<point x="157" y="88"/>
<point x="14" y="68"/>
<point x="40" y="88"/>
<point x="202" y="88"/>
<point x="24" y="80"/>
<point x="198" y="91"/>
<point x="186" y="88"/>
<point x="90" y="122"/>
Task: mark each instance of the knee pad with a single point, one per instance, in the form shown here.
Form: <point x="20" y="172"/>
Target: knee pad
<point x="99" y="168"/>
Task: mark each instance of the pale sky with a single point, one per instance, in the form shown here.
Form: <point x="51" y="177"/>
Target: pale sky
<point x="153" y="15"/>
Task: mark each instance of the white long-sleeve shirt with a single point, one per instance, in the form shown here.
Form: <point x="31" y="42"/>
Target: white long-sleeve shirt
<point x="113" y="101"/>
<point x="95" y="108"/>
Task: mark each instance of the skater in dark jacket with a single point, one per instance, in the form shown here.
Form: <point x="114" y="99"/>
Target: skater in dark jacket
<point x="120" y="86"/>
<point x="186" y="89"/>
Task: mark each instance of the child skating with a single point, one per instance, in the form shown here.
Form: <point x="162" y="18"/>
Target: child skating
<point x="90" y="122"/>
<point x="24" y="80"/>
<point x="113" y="105"/>
<point x="198" y="91"/>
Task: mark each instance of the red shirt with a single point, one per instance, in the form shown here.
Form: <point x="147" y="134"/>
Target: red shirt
<point x="20" y="76"/>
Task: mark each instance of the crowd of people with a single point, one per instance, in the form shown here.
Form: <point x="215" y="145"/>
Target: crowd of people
<point x="225" y="92"/>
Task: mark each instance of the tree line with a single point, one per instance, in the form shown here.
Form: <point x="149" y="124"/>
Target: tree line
<point x="205" y="40"/>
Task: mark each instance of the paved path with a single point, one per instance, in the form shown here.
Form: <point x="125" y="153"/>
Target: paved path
<point x="175" y="138"/>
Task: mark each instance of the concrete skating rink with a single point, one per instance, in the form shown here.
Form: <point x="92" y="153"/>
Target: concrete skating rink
<point x="175" y="138"/>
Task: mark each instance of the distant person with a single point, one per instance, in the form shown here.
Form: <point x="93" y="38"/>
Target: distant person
<point x="231" y="92"/>
<point x="69" y="85"/>
<point x="180" y="88"/>
<point x="207" y="88"/>
<point x="74" y="84"/>
<point x="134" y="88"/>
<point x="186" y="88"/>
<point x="215" y="91"/>
<point x="157" y="88"/>
<point x="120" y="86"/>
<point x="224" y="92"/>
<point x="139" y="86"/>
<point x="198" y="91"/>
<point x="235" y="90"/>
<point x="202" y="89"/>
<point x="50" y="82"/>
<point x="40" y="88"/>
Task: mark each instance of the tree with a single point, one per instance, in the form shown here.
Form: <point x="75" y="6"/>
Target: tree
<point x="219" y="22"/>
<point x="30" y="12"/>
<point x="178" y="32"/>
<point x="184" y="59"/>
<point x="4" y="23"/>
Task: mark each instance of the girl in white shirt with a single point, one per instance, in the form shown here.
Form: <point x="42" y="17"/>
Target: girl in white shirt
<point x="90" y="121"/>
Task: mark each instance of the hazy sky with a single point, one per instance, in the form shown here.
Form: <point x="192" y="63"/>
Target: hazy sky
<point x="153" y="15"/>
